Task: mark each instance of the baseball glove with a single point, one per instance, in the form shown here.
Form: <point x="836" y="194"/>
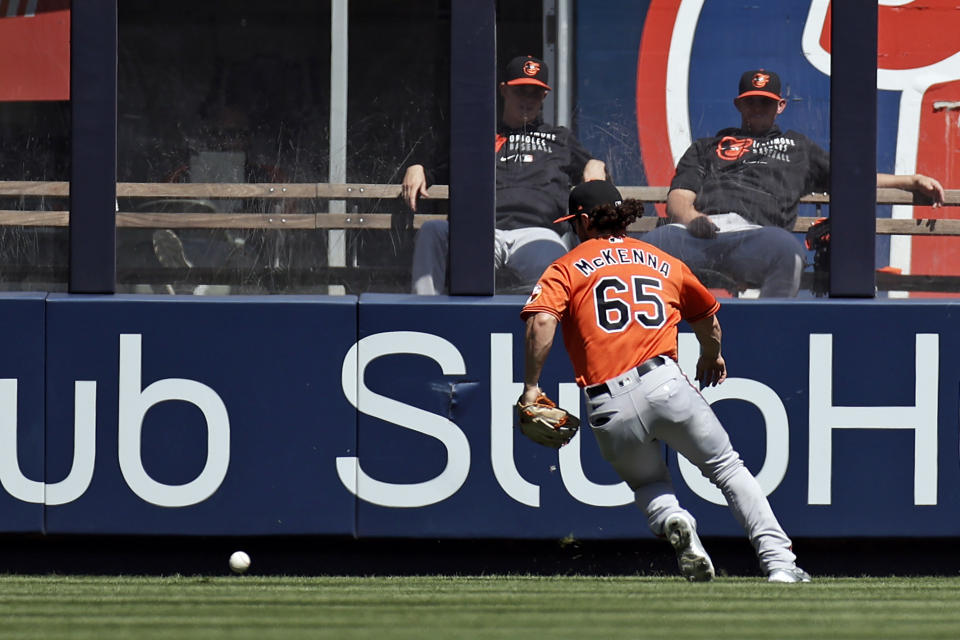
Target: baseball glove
<point x="818" y="241"/>
<point x="545" y="423"/>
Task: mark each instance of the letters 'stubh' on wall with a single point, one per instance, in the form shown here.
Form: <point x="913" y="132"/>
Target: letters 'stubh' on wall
<point x="392" y="416"/>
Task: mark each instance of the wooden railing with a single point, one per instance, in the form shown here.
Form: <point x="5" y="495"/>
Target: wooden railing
<point x="369" y="220"/>
<point x="168" y="196"/>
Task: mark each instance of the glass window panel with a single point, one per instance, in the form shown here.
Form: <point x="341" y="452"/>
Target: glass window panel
<point x="34" y="144"/>
<point x="219" y="94"/>
<point x="651" y="80"/>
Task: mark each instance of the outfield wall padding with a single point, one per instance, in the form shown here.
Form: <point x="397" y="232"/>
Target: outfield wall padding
<point x="391" y="416"/>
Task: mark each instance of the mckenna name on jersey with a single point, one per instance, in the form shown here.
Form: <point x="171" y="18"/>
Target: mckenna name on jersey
<point x="621" y="255"/>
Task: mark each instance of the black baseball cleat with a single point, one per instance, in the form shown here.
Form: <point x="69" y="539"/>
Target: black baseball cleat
<point x="694" y="562"/>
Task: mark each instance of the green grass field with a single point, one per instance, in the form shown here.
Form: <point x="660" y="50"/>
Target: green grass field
<point x="475" y="607"/>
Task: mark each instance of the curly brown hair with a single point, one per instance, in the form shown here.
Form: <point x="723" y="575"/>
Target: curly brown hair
<point x="614" y="220"/>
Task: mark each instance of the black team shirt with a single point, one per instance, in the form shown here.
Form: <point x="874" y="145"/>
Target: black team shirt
<point x="536" y="166"/>
<point x="760" y="177"/>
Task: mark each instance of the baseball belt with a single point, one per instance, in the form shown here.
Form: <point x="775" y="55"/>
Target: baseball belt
<point x="642" y="369"/>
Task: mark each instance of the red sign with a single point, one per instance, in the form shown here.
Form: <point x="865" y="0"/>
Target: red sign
<point x="34" y="50"/>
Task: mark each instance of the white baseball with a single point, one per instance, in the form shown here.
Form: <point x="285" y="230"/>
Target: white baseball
<point x="239" y="562"/>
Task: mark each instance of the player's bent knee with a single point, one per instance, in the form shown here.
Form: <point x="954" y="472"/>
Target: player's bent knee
<point x="724" y="469"/>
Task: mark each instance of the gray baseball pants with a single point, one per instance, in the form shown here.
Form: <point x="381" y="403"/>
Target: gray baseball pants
<point x="527" y="252"/>
<point x="639" y="413"/>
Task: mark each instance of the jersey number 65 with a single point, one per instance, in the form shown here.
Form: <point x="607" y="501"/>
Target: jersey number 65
<point x="614" y="313"/>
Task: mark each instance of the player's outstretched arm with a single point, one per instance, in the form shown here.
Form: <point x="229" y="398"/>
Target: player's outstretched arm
<point x="541" y="328"/>
<point x="917" y="183"/>
<point x="711" y="369"/>
<point x="539" y="417"/>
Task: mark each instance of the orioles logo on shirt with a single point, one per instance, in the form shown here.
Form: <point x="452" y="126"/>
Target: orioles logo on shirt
<point x="760" y="80"/>
<point x="537" y="290"/>
<point x="731" y="148"/>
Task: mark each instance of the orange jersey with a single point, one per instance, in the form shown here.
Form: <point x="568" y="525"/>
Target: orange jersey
<point x="619" y="301"/>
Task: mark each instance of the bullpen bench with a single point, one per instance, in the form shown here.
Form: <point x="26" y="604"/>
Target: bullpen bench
<point x="181" y="206"/>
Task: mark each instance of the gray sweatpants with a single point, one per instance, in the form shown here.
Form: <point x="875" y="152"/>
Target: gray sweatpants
<point x="527" y="252"/>
<point x="770" y="258"/>
<point x="663" y="407"/>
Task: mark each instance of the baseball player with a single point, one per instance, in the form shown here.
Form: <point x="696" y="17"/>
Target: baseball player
<point x="536" y="164"/>
<point x="618" y="301"/>
<point x="733" y="199"/>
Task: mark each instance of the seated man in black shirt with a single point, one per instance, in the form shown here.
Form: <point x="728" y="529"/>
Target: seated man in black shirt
<point x="537" y="163"/>
<point x="733" y="199"/>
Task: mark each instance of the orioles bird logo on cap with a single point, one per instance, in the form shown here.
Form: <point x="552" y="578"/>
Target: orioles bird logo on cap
<point x="760" y="80"/>
<point x="531" y="68"/>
